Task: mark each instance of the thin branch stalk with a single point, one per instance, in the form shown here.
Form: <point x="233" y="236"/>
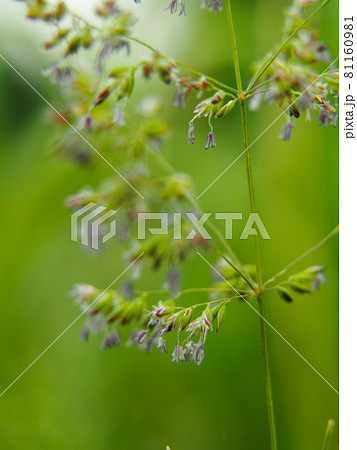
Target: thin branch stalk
<point x="266" y="64"/>
<point x="268" y="385"/>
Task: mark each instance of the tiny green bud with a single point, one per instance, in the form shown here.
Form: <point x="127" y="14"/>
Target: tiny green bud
<point x="186" y="319"/>
<point x="73" y="45"/>
<point x="220" y="317"/>
<point x="117" y="313"/>
<point x="284" y="294"/>
<point x="102" y="96"/>
<point x="215" y="311"/>
<point x="118" y="72"/>
<point x="61" y="34"/>
<point x="179" y="318"/>
<point x="208" y="313"/>
<point x="226" y="109"/>
<point x="299" y="287"/>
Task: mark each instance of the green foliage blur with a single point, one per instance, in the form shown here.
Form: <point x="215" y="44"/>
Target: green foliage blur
<point x="79" y="397"/>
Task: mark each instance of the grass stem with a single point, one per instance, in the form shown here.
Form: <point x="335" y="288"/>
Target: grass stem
<point x="263" y="332"/>
<point x="268" y="385"/>
<point x="234" y="44"/>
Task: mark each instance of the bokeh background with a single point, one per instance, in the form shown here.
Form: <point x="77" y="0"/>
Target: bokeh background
<point x="78" y="397"/>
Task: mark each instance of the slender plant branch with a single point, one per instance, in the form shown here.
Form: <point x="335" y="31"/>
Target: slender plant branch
<point x="271" y="59"/>
<point x="251" y="193"/>
<point x="144" y="44"/>
<point x="268" y="385"/>
<point x="248" y="280"/>
<point x="315" y="247"/>
<point x="234" y="44"/>
<point x="76" y="16"/>
<point x="187" y="291"/>
<point x="254" y="88"/>
<point x="329" y="430"/>
<point x="190" y="69"/>
<point x="231" y="91"/>
<point x="256" y="92"/>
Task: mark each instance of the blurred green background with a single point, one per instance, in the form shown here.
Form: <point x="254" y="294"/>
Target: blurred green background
<point x="78" y="397"/>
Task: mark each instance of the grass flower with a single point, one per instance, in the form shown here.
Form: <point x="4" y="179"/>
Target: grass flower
<point x="286" y="130"/>
<point x="97" y="95"/>
<point x="211" y="140"/>
<point x="191" y="136"/>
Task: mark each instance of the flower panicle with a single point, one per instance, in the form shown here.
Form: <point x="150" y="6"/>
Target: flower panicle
<point x="110" y="310"/>
<point x="291" y="81"/>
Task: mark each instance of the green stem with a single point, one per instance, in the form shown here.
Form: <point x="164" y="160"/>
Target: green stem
<point x="234" y="44"/>
<point x="263" y="333"/>
<point x="144" y="44"/>
<point x="251" y="193"/>
<point x="187" y="291"/>
<point x="268" y="386"/>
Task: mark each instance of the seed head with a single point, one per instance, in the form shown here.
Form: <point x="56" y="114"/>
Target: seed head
<point x="161" y="344"/>
<point x="172" y="6"/>
<point x="111" y="340"/>
<point x="212" y="5"/>
<point x="173" y="281"/>
<point x="285" y="133"/>
<point x="211" y="140"/>
<point x="83" y="292"/>
<point x="178" y="354"/>
<point x="191" y="136"/>
<point x="85" y="333"/>
<point x="182" y="8"/>
<point x="140" y="337"/>
<point x="324" y="117"/>
<point x="179" y="100"/>
<point x="86" y="123"/>
<point x="118" y="118"/>
<point x="148" y="345"/>
<point x="197" y="353"/>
